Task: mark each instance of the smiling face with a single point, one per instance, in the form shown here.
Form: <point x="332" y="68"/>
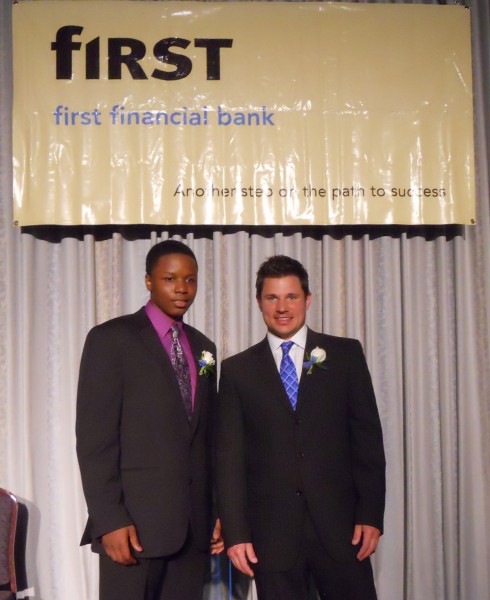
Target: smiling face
<point x="172" y="284"/>
<point x="283" y="304"/>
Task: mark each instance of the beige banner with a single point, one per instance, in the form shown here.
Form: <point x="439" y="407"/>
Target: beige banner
<point x="242" y="113"/>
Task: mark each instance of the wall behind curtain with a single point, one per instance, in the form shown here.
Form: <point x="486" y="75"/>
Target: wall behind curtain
<point x="418" y="299"/>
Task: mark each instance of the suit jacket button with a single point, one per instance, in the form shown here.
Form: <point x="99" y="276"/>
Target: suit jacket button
<point x="298" y="421"/>
<point x="300" y="454"/>
<point x="299" y="492"/>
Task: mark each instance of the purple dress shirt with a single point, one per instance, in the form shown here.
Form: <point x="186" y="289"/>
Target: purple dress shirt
<point x="163" y="326"/>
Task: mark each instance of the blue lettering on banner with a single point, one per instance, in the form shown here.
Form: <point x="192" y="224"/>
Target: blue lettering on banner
<point x="64" y="116"/>
<point x="119" y="115"/>
<point x="248" y="118"/>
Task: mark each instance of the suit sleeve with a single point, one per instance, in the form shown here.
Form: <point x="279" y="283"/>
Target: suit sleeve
<point x="368" y="459"/>
<point x="99" y="405"/>
<point x="230" y="462"/>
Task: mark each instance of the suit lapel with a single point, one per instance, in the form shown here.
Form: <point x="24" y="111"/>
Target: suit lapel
<point x="200" y="379"/>
<point x="152" y="342"/>
<point x="269" y="374"/>
<point x="308" y="383"/>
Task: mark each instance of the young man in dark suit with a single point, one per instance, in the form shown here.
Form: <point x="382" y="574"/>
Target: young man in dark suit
<point x="145" y="392"/>
<point x="300" y="467"/>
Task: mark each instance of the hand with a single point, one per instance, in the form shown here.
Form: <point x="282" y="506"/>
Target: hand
<point x="241" y="555"/>
<point x="370" y="538"/>
<point x="217" y="543"/>
<point x="117" y="545"/>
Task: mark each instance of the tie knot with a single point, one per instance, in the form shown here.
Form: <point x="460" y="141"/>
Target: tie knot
<point x="175" y="331"/>
<point x="286" y="347"/>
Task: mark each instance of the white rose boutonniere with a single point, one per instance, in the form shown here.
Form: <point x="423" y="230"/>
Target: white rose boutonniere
<point x="206" y="362"/>
<point x="317" y="358"/>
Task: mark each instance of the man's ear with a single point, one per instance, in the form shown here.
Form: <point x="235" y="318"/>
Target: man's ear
<point x="308" y="300"/>
<point x="148" y="282"/>
<point x="259" y="303"/>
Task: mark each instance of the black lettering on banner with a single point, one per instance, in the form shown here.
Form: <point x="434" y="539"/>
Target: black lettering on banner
<point x="182" y="63"/>
<point x="65" y="46"/>
<point x="92" y="62"/>
<point x="213" y="47"/>
<point x="117" y="58"/>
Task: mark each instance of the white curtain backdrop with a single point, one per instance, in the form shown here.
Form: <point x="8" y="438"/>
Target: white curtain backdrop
<point x="417" y="298"/>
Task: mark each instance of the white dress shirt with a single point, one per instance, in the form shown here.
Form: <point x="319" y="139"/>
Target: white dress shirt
<point x="297" y="351"/>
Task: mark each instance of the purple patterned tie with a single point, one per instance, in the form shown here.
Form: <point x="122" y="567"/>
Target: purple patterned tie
<point x="288" y="374"/>
<point x="182" y="371"/>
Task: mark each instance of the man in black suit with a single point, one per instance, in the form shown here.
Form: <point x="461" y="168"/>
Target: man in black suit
<point x="145" y="393"/>
<point x="300" y="467"/>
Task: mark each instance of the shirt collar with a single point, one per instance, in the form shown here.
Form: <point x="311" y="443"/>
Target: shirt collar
<point x="299" y="338"/>
<point x="162" y="322"/>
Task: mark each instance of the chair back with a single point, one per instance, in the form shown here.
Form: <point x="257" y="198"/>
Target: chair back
<point x="8" y="524"/>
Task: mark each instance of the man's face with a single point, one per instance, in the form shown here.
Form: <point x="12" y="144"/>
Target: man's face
<point x="173" y="284"/>
<point x="283" y="304"/>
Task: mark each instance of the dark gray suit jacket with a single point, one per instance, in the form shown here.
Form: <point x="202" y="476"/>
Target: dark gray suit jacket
<point x="141" y="461"/>
<point x="273" y="463"/>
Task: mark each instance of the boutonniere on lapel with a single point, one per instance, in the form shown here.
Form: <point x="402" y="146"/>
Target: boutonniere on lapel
<point x="206" y="362"/>
<point x="316" y="358"/>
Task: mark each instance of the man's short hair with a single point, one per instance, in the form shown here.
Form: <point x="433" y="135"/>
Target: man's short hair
<point x="281" y="266"/>
<point x="164" y="248"/>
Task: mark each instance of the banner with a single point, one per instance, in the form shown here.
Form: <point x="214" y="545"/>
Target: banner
<point x="242" y="113"/>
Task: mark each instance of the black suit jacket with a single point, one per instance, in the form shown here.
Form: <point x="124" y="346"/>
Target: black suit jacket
<point x="141" y="461"/>
<point x="272" y="462"/>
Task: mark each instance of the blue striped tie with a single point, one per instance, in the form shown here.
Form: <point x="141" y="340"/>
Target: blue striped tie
<point x="288" y="374"/>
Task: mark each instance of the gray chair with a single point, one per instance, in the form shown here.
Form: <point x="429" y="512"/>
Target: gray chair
<point x="8" y="525"/>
